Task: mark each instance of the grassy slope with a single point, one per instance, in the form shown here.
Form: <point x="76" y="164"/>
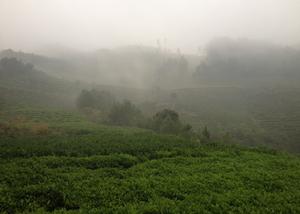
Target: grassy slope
<point x="80" y="166"/>
<point x="252" y="116"/>
<point x="249" y="116"/>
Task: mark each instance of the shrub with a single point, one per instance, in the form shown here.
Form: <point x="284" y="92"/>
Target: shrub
<point x="167" y="121"/>
<point x="101" y="100"/>
<point x="125" y="113"/>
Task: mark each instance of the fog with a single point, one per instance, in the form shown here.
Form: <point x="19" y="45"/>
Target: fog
<point x="149" y="106"/>
<point x="35" y="25"/>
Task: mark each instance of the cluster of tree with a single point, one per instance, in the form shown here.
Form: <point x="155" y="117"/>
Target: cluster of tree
<point x="229" y="61"/>
<point x="128" y="66"/>
<point x="103" y="104"/>
<point x="101" y="100"/>
<point x="167" y="121"/>
<point x="127" y="114"/>
<point x="225" y="61"/>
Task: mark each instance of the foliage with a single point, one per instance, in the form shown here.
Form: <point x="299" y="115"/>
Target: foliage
<point x="101" y="100"/>
<point x="125" y="113"/>
<point x="206" y="133"/>
<point x="167" y="121"/>
<point x="205" y="137"/>
<point x="81" y="167"/>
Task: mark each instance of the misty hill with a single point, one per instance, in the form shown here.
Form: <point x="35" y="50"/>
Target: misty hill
<point x="132" y="66"/>
<point x="248" y="90"/>
<point x="21" y="83"/>
<point x="224" y="62"/>
<point x="246" y="62"/>
<point x="51" y="65"/>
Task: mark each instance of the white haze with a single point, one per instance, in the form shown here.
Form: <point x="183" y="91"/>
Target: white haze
<point x="30" y="25"/>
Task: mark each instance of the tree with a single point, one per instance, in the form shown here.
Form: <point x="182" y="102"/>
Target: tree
<point x="206" y="133"/>
<point x="166" y="121"/>
<point x="205" y="136"/>
<point x="125" y="113"/>
<point x="100" y="100"/>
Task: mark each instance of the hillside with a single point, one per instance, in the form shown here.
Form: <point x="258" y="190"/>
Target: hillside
<point x="250" y="116"/>
<point x="76" y="166"/>
<point x="54" y="159"/>
<point x="246" y="115"/>
<point x="129" y="66"/>
<point x="22" y="84"/>
<point x="250" y="63"/>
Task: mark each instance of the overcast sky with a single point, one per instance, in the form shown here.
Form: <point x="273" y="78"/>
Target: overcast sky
<point x="186" y="24"/>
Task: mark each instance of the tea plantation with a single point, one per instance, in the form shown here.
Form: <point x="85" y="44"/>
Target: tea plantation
<point x="76" y="166"/>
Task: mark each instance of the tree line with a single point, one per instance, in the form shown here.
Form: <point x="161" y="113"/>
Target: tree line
<point x="102" y="106"/>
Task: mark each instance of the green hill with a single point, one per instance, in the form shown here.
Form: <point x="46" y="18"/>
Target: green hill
<point x="22" y="84"/>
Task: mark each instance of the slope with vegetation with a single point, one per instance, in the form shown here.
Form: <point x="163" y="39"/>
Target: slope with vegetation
<point x="254" y="113"/>
<point x="55" y="157"/>
<point x="22" y="84"/>
<point x="78" y="166"/>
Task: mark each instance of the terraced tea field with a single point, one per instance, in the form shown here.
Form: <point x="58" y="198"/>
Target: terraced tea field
<point x="83" y="167"/>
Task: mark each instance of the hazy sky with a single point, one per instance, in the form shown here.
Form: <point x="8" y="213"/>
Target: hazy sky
<point x="186" y="24"/>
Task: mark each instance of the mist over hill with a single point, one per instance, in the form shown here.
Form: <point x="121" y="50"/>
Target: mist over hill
<point x="149" y="107"/>
<point x="250" y="63"/>
<point x="224" y="62"/>
<point x="247" y="88"/>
